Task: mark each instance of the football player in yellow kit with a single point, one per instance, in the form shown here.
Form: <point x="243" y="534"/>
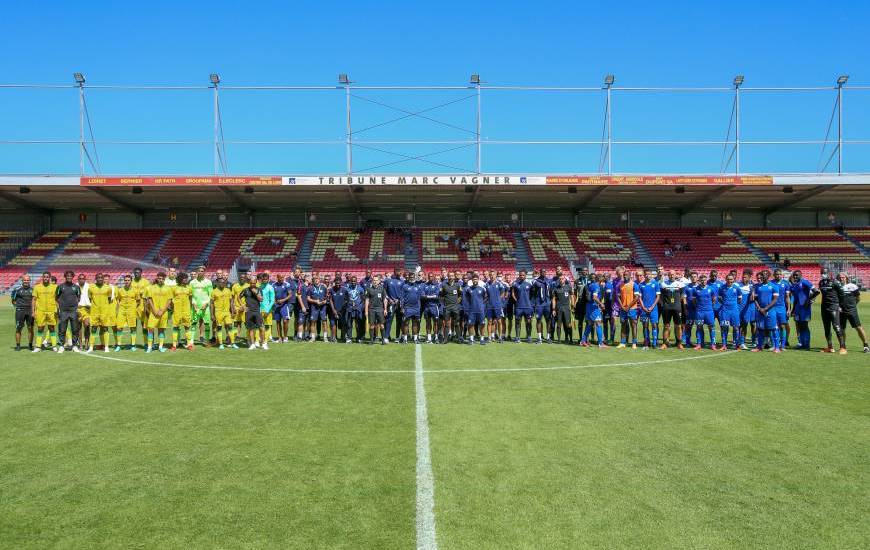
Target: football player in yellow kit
<point x="141" y="284"/>
<point x="45" y="310"/>
<point x="239" y="315"/>
<point x="158" y="298"/>
<point x="102" y="314"/>
<point x="181" y="312"/>
<point x="127" y="300"/>
<point x="223" y="310"/>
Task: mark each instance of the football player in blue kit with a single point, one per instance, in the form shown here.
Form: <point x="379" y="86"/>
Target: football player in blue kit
<point x="337" y="303"/>
<point x="521" y="292"/>
<point x="704" y="299"/>
<point x="803" y="292"/>
<point x="496" y="293"/>
<point x="431" y="306"/>
<point x="782" y="306"/>
<point x="393" y="287"/>
<point x="731" y="298"/>
<point x="594" y="311"/>
<point x="316" y="294"/>
<point x="354" y="317"/>
<point x="691" y="309"/>
<point x="747" y="309"/>
<point x="650" y="295"/>
<point x="282" y="309"/>
<point x="410" y="303"/>
<point x="715" y="284"/>
<point x="541" y="302"/>
<point x="765" y="296"/>
<point x="476" y="297"/>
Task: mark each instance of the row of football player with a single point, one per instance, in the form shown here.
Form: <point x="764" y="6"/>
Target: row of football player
<point x="451" y="306"/>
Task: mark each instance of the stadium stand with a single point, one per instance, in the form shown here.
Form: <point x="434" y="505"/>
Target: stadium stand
<point x="273" y="249"/>
<point x="461" y="249"/>
<point x="356" y="251"/>
<point x="183" y="246"/>
<point x="701" y="249"/>
<point x="604" y="248"/>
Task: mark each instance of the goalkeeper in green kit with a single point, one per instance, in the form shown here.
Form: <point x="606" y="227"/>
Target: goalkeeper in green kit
<point x="201" y="288"/>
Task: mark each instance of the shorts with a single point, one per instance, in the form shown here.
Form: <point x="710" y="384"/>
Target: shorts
<point x="542" y="310"/>
<point x="674" y="316"/>
<point x="747" y="316"/>
<point x="781" y="316"/>
<point x="376" y="317"/>
<point x="767" y="321"/>
<point x="494" y="313"/>
<point x="593" y="314"/>
<point x="267" y="318"/>
<point x="45" y="318"/>
<point x="282" y="312"/>
<point x="411" y="315"/>
<point x="317" y="313"/>
<point x="729" y="318"/>
<point x="223" y="318"/>
<point x="141" y="314"/>
<point x="451" y="313"/>
<point x="508" y="309"/>
<point x="23" y="317"/>
<point x="850" y="316"/>
<point x="301" y="316"/>
<point x="524" y="312"/>
<point x="253" y="320"/>
<point x="802" y="314"/>
<point x="126" y="318"/>
<point x="158" y="322"/>
<point x="181" y="319"/>
<point x="627" y="314"/>
<point x="475" y="317"/>
<point x="239" y="317"/>
<point x="616" y="310"/>
<point x="563" y="315"/>
<point x="431" y="311"/>
<point x="85" y="315"/>
<point x="705" y="318"/>
<point x="204" y="316"/>
<point x="102" y="318"/>
<point x="651" y="317"/>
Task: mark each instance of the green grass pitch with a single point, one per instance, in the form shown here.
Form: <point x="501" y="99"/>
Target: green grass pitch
<point x="624" y="449"/>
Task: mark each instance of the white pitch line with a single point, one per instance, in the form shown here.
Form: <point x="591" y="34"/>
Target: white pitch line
<point x="426" y="539"/>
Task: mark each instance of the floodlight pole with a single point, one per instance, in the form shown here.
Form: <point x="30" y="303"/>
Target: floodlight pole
<point x="737" y="129"/>
<point x="349" y="143"/>
<point x="478" y="128"/>
<point x="839" y="128"/>
<point x="81" y="128"/>
<point x="216" y="129"/>
<point x="609" y="133"/>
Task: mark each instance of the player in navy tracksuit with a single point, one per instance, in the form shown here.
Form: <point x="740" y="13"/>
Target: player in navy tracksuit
<point x="337" y="300"/>
<point x="316" y="294"/>
<point x="410" y="303"/>
<point x="283" y="308"/>
<point x="496" y="292"/>
<point x="431" y="306"/>
<point x="521" y="292"/>
<point x="354" y="317"/>
<point x="476" y="296"/>
<point x="541" y="302"/>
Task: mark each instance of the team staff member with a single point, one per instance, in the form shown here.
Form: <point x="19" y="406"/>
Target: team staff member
<point x="253" y="315"/>
<point x="451" y="296"/>
<point x="376" y="299"/>
<point x="158" y="298"/>
<point x="849" y="306"/>
<point x="832" y="300"/>
<point x="45" y="310"/>
<point x="673" y="302"/>
<point x="68" y="295"/>
<point x="22" y="300"/>
<point x="84" y="311"/>
<point x="223" y="313"/>
<point x="562" y="301"/>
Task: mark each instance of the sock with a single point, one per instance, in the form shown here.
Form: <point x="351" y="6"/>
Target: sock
<point x="53" y="336"/>
<point x="150" y="340"/>
<point x="599" y="331"/>
<point x="655" y="336"/>
<point x="713" y="335"/>
<point x="118" y="337"/>
<point x="174" y="336"/>
<point x="161" y="338"/>
<point x="190" y="336"/>
<point x="725" y="335"/>
<point x="775" y="337"/>
<point x="783" y="336"/>
<point x="586" y="332"/>
<point x="232" y="336"/>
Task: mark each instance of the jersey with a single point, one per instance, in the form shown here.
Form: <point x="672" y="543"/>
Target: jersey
<point x="672" y="295"/>
<point x="851" y="296"/>
<point x="494" y="290"/>
<point x="237" y="290"/>
<point x="801" y="292"/>
<point x="766" y="293"/>
<point x="730" y="297"/>
<point x="593" y="291"/>
<point x="450" y="295"/>
<point x="411" y="296"/>
<point x="627" y="294"/>
<point x="715" y="286"/>
<point x="267" y="291"/>
<point x="159" y="296"/>
<point x="22" y="298"/>
<point x="648" y="292"/>
<point x="200" y="292"/>
<point x="128" y="298"/>
<point x="523" y="290"/>
<point x="68" y="296"/>
<point x="540" y="292"/>
<point x="45" y="297"/>
<point x="376" y="296"/>
<point x="562" y="293"/>
<point x="221" y="298"/>
<point x="338" y="295"/>
<point x="181" y="295"/>
<point x="783" y="288"/>
<point x="100" y="296"/>
<point x="141" y="285"/>
<point x="476" y="296"/>
<point x="703" y="298"/>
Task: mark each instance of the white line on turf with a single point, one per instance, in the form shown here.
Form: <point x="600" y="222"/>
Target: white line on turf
<point x="396" y="371"/>
<point x="426" y="539"/>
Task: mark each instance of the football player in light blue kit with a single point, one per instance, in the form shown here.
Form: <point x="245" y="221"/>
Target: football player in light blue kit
<point x="650" y="294"/>
<point x="593" y="311"/>
<point x="691" y="310"/>
<point x="782" y="306"/>
<point x="765" y="296"/>
<point x="476" y="296"/>
<point x="704" y="298"/>
<point x="731" y="298"/>
<point x="715" y="284"/>
<point x="747" y="308"/>
<point x="803" y="293"/>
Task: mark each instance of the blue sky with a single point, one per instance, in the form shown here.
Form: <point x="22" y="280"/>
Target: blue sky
<point x="388" y="43"/>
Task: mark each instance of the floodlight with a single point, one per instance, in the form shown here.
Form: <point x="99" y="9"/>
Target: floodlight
<point x="475" y="79"/>
<point x="738" y="80"/>
<point x="80" y="78"/>
<point x="215" y="78"/>
<point x="609" y="80"/>
<point x="343" y="79"/>
<point x="842" y="80"/>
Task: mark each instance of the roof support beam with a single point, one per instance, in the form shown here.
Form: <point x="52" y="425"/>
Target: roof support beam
<point x="817" y="190"/>
<point x="353" y="199"/>
<point x="116" y="201"/>
<point x="474" y="197"/>
<point x="587" y="202"/>
<point x="706" y="199"/>
<point x="15" y="198"/>
<point x="239" y="201"/>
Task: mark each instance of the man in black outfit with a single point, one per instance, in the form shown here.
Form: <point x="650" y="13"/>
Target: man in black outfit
<point x="561" y="297"/>
<point x="253" y="318"/>
<point x="832" y="296"/>
<point x="849" y="307"/>
<point x="376" y="296"/>
<point x="68" y="295"/>
<point x="22" y="300"/>
<point x="451" y="296"/>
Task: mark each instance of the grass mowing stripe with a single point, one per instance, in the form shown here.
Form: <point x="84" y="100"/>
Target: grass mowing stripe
<point x="426" y="539"/>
